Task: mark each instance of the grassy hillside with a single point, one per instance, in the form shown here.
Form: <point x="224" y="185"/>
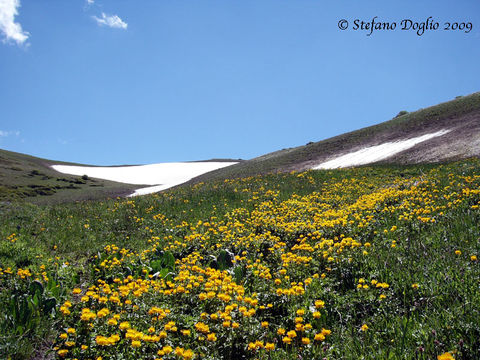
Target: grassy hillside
<point x="30" y="178"/>
<point x="462" y="115"/>
<point x="368" y="263"/>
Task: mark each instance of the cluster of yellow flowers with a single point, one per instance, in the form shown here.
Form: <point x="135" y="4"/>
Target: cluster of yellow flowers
<point x="277" y="255"/>
<point x="12" y="238"/>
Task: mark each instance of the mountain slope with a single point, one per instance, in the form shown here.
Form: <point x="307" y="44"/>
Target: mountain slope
<point x="47" y="181"/>
<point x="460" y="116"/>
<point x="28" y="177"/>
<point x="456" y="124"/>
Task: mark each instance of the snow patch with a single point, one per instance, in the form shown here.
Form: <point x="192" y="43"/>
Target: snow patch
<point x="376" y="153"/>
<point x="162" y="175"/>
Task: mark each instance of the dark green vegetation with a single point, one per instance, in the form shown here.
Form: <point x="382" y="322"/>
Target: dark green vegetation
<point x="461" y="115"/>
<point x="411" y="274"/>
<point x="31" y="179"/>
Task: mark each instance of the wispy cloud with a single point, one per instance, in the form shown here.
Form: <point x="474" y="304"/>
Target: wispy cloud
<point x="90" y="2"/>
<point x="9" y="133"/>
<point x="11" y="30"/>
<point x="112" y="21"/>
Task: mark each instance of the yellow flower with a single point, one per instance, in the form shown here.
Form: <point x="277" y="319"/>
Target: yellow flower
<point x="136" y="343"/>
<point x="188" y="354"/>
<point x="445" y="356"/>
<point x="269" y="346"/>
<point x="64" y="310"/>
<point x="364" y="327"/>
<point x="319" y="304"/>
<point x="87" y="315"/>
<point x="103" y="312"/>
<point x="458" y="252"/>
<point x="305" y="341"/>
<point x="473" y="258"/>
<point x="71" y="331"/>
<point x="287" y="340"/>
<point x="415" y="286"/>
<point x="316" y="315"/>
<point x="292" y="334"/>
<point x="167" y="350"/>
<point x="264" y="324"/>
<point x="62" y="352"/>
<point x="326" y="332"/>
<point x="107" y="341"/>
<point x="124" y="325"/>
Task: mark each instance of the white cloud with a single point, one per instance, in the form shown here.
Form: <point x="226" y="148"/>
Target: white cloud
<point x="112" y="21"/>
<point x="10" y="29"/>
<point x="8" y="133"/>
<point x="90" y="2"/>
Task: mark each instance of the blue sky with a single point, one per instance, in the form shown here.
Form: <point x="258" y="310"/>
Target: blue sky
<point x="143" y="81"/>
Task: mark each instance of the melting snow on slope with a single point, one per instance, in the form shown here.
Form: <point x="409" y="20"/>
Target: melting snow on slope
<point x="377" y="152"/>
<point x="163" y="175"/>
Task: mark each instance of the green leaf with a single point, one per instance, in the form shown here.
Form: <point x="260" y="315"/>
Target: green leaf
<point x="48" y="305"/>
<point x="239" y="274"/>
<point x="36" y="287"/>
<point x="224" y="260"/>
<point x="168" y="260"/>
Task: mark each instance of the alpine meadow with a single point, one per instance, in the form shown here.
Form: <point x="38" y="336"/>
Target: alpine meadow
<point x="370" y="262"/>
<point x="239" y="180"/>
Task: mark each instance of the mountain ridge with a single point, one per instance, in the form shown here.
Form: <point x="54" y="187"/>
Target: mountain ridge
<point x="461" y="116"/>
<point x="25" y="176"/>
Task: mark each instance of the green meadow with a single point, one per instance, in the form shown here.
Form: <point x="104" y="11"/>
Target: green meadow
<point x="369" y="263"/>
